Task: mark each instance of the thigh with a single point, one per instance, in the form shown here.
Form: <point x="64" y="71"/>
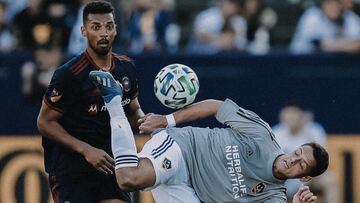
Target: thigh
<point x="87" y="189"/>
<point x="166" y="157"/>
<point x="66" y="191"/>
<point x="109" y="191"/>
<point x="172" y="178"/>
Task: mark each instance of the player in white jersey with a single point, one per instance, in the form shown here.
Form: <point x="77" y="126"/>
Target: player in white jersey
<point x="242" y="163"/>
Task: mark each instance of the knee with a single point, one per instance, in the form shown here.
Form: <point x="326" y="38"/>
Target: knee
<point x="127" y="181"/>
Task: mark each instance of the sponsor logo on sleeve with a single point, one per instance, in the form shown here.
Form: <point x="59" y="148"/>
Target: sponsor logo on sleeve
<point x="166" y="164"/>
<point x="55" y="96"/>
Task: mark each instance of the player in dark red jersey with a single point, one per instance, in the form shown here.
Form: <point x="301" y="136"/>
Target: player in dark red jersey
<point x="74" y="121"/>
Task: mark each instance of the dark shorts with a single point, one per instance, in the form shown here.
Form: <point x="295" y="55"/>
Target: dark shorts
<point x="86" y="189"/>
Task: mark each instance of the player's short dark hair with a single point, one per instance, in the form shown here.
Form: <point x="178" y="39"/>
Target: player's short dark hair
<point x="321" y="157"/>
<point x="97" y="7"/>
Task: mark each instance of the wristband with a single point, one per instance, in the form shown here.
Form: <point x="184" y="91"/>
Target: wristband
<point x="170" y="120"/>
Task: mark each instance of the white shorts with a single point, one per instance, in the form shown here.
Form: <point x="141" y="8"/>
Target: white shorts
<point x="172" y="178"/>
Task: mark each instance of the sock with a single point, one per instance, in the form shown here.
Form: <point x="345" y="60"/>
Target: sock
<point x="122" y="138"/>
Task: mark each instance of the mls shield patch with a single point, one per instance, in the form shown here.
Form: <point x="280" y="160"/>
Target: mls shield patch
<point x="166" y="164"/>
<point x="258" y="188"/>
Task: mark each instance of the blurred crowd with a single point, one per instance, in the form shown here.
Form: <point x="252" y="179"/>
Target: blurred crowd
<point x="156" y="26"/>
<point x="50" y="30"/>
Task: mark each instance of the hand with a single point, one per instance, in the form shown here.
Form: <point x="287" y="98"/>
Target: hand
<point x="304" y="195"/>
<point x="151" y="122"/>
<point x="99" y="159"/>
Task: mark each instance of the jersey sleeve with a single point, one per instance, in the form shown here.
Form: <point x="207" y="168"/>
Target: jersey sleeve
<point x="130" y="83"/>
<point x="244" y="121"/>
<point x="59" y="95"/>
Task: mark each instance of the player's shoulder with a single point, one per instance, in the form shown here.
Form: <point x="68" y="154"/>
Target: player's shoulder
<point x="72" y="66"/>
<point x="123" y="58"/>
<point x="123" y="62"/>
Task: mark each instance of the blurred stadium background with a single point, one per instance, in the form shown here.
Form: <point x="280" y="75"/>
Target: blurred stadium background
<point x="256" y="67"/>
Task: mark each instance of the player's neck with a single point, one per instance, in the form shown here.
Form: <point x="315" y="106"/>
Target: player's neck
<point x="103" y="61"/>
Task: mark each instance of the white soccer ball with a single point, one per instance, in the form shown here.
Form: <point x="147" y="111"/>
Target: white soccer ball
<point x="176" y="86"/>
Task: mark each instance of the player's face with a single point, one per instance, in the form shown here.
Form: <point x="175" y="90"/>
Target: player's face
<point x="100" y="31"/>
<point x="296" y="164"/>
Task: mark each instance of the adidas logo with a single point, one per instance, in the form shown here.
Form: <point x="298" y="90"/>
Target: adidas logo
<point x="104" y="81"/>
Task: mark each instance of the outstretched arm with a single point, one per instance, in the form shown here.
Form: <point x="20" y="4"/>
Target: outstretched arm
<point x="193" y="112"/>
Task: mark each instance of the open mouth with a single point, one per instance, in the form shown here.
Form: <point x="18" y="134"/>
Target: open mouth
<point x="286" y="164"/>
<point x="103" y="43"/>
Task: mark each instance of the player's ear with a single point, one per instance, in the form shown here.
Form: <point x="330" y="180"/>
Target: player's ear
<point x="305" y="179"/>
<point x="115" y="29"/>
<point x="83" y="31"/>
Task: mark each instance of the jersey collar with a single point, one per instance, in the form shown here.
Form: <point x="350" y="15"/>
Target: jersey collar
<point x="95" y="65"/>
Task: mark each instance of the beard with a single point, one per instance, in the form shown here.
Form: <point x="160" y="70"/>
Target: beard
<point x="101" y="50"/>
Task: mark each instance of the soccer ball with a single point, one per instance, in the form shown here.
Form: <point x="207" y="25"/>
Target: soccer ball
<point x="176" y="86"/>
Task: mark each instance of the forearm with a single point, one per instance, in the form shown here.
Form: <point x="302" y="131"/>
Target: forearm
<point x="54" y="131"/>
<point x="197" y="111"/>
<point x="193" y="112"/>
<point x="134" y="114"/>
<point x="134" y="117"/>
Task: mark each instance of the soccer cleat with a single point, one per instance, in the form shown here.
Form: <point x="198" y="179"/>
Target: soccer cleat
<point x="107" y="85"/>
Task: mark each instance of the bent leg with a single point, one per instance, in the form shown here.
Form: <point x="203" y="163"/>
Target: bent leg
<point x="172" y="179"/>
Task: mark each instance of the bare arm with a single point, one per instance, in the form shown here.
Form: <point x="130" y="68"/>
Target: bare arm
<point x="49" y="127"/>
<point x="193" y="112"/>
<point x="197" y="111"/>
<point x="136" y="178"/>
<point x="135" y="113"/>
